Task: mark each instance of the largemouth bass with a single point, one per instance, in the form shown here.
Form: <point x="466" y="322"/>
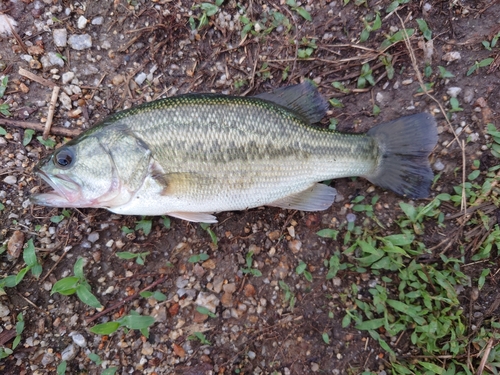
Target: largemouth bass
<point x="193" y="155"/>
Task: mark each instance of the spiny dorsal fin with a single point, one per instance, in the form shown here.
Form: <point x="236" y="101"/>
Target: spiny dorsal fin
<point x="303" y="99"/>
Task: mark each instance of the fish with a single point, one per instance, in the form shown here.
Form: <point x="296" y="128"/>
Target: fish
<point x="193" y="155"/>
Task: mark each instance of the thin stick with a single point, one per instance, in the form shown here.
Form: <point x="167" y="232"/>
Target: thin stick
<point x="53" y="267"/>
<point x="32" y="304"/>
<point x="486" y="354"/>
<point x="34" y="77"/>
<point x="50" y="114"/>
<point x="56" y="130"/>
<point x="122" y="302"/>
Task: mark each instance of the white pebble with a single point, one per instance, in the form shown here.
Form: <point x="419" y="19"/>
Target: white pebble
<point x="209" y="301"/>
<point x="98" y="20"/>
<point x="350" y="218"/>
<point x="82" y="22"/>
<point x="140" y="78"/>
<point x="4" y="311"/>
<point x="93" y="237"/>
<point x="11" y="180"/>
<point x="60" y="37"/>
<point x="78" y="339"/>
<point x="454" y="91"/>
<point x="67" y="77"/>
<point x="80" y="42"/>
<point x="438" y="166"/>
<point x="451" y="56"/>
<point x="69" y="353"/>
<point x="65" y="100"/>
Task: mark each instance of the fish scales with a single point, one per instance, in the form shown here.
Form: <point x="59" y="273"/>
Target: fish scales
<point x="259" y="151"/>
<point x="192" y="155"/>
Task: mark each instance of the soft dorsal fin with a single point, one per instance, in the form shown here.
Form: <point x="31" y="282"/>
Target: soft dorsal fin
<point x="303" y="99"/>
<point x="317" y="198"/>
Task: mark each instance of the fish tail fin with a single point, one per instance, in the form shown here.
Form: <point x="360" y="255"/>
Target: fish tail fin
<point x="404" y="147"/>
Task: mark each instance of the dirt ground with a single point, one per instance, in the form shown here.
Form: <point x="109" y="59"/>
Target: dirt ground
<point x="143" y="50"/>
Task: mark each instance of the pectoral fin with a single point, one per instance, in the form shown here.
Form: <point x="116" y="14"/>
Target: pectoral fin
<point x="197" y="217"/>
<point x="176" y="183"/>
<point x="317" y="198"/>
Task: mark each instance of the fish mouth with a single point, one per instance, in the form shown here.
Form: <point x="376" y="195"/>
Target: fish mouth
<point x="65" y="193"/>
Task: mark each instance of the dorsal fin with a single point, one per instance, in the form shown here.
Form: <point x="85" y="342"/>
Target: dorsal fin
<point x="303" y="99"/>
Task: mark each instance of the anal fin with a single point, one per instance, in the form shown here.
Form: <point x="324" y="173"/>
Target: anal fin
<point x="197" y="217"/>
<point x="316" y="198"/>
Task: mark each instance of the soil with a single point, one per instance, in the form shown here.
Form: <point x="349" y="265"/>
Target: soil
<point x="254" y="329"/>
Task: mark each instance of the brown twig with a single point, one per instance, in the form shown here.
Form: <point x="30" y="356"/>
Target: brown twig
<point x="53" y="267"/>
<point x="50" y="114"/>
<point x="122" y="302"/>
<point x="32" y="304"/>
<point x="486" y="354"/>
<point x="56" y="130"/>
<point x="34" y="77"/>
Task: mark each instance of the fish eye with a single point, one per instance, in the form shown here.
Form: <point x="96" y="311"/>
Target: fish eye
<point x="64" y="158"/>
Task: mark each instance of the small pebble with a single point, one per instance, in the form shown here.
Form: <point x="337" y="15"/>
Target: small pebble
<point x="82" y="22"/>
<point x="468" y="95"/>
<point x="295" y="246"/>
<point x="69" y="353"/>
<point x="11" y="180"/>
<point x="80" y="42"/>
<point x="98" y="20"/>
<point x="209" y="301"/>
<point x="15" y="244"/>
<point x="438" y="166"/>
<point x="67" y="77"/>
<point x="51" y="59"/>
<point x="4" y="311"/>
<point x="78" y="339"/>
<point x="451" y="56"/>
<point x="60" y="37"/>
<point x="140" y="78"/>
<point x="454" y="91"/>
<point x="93" y="237"/>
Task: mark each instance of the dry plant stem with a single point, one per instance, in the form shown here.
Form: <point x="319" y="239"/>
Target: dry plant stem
<point x="39" y="127"/>
<point x="54" y="266"/>
<point x="50" y="114"/>
<point x="122" y="302"/>
<point x="486" y="354"/>
<point x="481" y="199"/>
<point x="32" y="304"/>
<point x="34" y="77"/>
<point x="424" y="89"/>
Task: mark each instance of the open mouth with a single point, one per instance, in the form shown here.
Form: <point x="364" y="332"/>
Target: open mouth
<point x="65" y="193"/>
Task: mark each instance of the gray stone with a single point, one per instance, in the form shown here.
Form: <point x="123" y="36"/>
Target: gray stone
<point x="51" y="59"/>
<point x="82" y="22"/>
<point x="65" y="100"/>
<point x="69" y="353"/>
<point x="68" y="77"/>
<point x="80" y="42"/>
<point x="60" y="37"/>
<point x="98" y="20"/>
<point x="11" y="180"/>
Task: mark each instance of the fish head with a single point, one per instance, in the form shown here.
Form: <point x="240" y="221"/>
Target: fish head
<point x="81" y="173"/>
